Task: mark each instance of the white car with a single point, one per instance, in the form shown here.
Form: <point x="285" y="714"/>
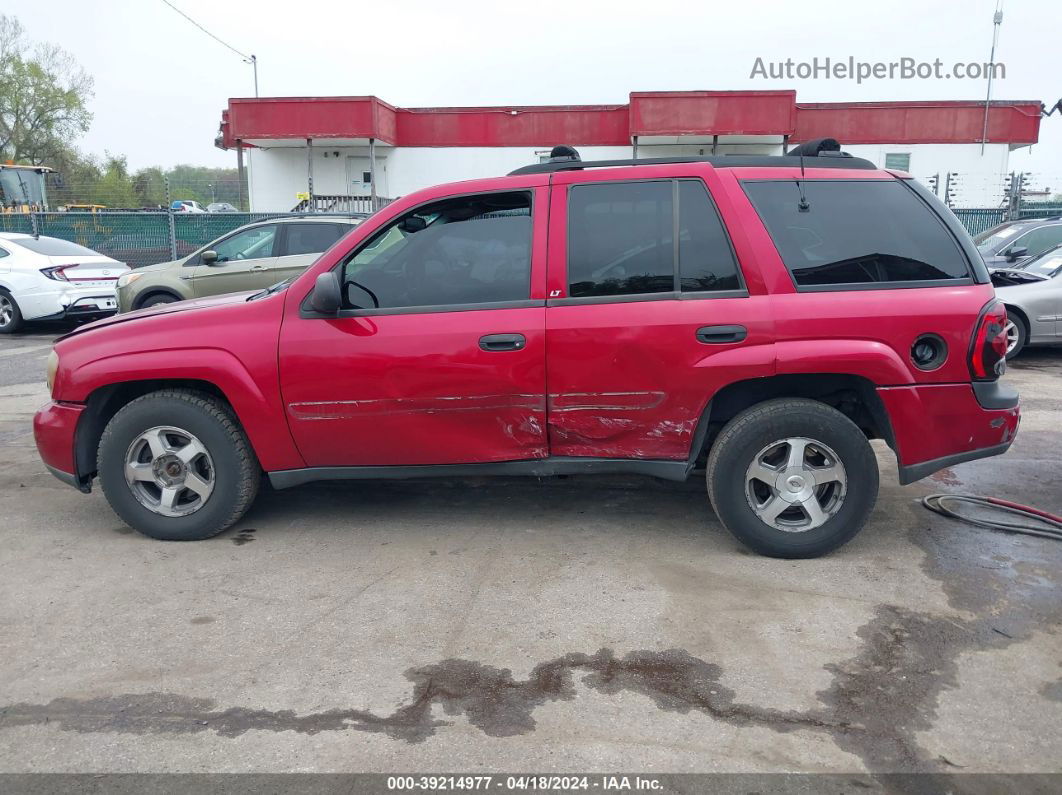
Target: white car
<point x="46" y="278"/>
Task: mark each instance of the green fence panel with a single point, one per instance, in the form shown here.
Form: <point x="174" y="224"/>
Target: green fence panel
<point x="16" y="222"/>
<point x="979" y="219"/>
<point x="134" y="238"/>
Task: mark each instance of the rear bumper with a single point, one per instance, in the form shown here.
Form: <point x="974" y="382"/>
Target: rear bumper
<point x="57" y="304"/>
<point x="936" y="426"/>
<point x="54" y="429"/>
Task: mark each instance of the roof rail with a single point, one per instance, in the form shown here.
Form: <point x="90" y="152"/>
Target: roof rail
<point x="826" y="151"/>
<point x="717" y="161"/>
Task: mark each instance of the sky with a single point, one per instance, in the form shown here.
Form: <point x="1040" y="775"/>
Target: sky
<point x="161" y="83"/>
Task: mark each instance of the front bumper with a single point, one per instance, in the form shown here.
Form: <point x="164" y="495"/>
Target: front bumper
<point x="936" y="426"/>
<point x="55" y="429"/>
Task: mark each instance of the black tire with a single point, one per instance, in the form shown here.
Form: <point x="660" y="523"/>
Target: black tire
<point x="1023" y="333"/>
<point x="158" y="298"/>
<point x="756" y="429"/>
<point x="15" y="323"/>
<point x="235" y="468"/>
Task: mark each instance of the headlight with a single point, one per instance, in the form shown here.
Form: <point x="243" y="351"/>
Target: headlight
<point x="128" y="278"/>
<point x="53" y="368"/>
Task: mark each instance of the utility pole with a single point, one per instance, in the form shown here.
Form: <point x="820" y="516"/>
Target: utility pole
<point x="934" y="184"/>
<point x="997" y="20"/>
<point x="947" y="189"/>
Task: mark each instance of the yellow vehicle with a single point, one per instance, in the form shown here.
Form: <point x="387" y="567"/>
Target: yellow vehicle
<point x="22" y="188"/>
<point x="85" y="208"/>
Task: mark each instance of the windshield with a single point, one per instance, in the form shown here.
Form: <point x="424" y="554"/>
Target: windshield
<point x="21" y="186"/>
<point x="1047" y="264"/>
<point x="54" y="247"/>
<point x="995" y="241"/>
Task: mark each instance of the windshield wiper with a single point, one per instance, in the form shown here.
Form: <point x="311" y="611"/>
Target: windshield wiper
<point x="276" y="288"/>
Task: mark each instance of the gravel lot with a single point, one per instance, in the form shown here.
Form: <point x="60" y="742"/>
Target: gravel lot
<point x="576" y="624"/>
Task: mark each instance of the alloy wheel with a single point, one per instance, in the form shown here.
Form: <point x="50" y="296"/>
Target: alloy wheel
<point x="795" y="484"/>
<point x="1013" y="335"/>
<point x="7" y="310"/>
<point x="169" y="471"/>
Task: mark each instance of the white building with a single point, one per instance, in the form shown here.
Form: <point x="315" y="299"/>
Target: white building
<point x="343" y="151"/>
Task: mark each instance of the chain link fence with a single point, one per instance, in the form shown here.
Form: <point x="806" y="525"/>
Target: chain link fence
<point x="139" y="238"/>
<point x="145" y="238"/>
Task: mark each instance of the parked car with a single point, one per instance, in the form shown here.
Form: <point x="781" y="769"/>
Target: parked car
<point x="186" y="206"/>
<point x="249" y="258"/>
<point x="637" y="316"/>
<point x="220" y="207"/>
<point x="46" y="278"/>
<point x="1014" y="242"/>
<point x="1032" y="294"/>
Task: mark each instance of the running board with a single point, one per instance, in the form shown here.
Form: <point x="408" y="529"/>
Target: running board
<point x="540" y="467"/>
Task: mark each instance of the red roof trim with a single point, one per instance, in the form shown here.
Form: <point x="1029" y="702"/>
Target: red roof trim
<point x="650" y="113"/>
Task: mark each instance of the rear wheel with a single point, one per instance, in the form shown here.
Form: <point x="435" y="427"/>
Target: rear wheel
<point x="10" y="315"/>
<point x="792" y="478"/>
<point x="1017" y="335"/>
<point x="176" y="466"/>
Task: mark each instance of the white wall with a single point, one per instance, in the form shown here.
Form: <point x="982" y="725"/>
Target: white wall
<point x="980" y="178"/>
<point x="276" y="175"/>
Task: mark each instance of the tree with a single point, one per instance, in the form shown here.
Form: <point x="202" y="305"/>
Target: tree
<point x="43" y="96"/>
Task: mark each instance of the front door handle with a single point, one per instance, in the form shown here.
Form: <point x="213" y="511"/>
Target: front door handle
<point x="502" y="342"/>
<point x="257" y="268"/>
<point x="720" y="335"/>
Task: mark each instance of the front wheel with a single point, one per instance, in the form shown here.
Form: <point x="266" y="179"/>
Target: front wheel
<point x="176" y="466"/>
<point x="792" y="478"/>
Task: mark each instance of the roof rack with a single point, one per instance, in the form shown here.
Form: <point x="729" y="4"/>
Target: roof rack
<point x="824" y="153"/>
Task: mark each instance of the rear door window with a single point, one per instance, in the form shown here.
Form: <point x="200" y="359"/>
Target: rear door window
<point x="856" y="233"/>
<point x="312" y="238"/>
<point x="622" y="240"/>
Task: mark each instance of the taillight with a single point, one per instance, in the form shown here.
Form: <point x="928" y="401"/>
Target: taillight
<point x="988" y="352"/>
<point x="56" y="274"/>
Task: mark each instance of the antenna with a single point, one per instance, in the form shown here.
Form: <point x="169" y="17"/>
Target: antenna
<point x="802" y="205"/>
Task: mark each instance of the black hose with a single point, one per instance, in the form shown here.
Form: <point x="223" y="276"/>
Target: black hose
<point x="1051" y="528"/>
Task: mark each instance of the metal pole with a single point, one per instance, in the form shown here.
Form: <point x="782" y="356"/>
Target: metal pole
<point x="634" y="147"/>
<point x="169" y="217"/>
<point x="997" y="20"/>
<point x="715" y="144"/>
<point x="372" y="173"/>
<point x="241" y="175"/>
<point x="254" y="65"/>
<point x="35" y="224"/>
<point x="309" y="170"/>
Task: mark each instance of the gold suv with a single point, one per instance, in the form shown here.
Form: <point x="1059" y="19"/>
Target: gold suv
<point x="252" y="257"/>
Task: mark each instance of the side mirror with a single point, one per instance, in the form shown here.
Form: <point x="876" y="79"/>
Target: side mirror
<point x="209" y="257"/>
<point x="413" y="224"/>
<point x="1015" y="254"/>
<point x="325" y="298"/>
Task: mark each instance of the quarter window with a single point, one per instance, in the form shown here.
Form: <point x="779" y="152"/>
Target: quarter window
<point x="856" y="232"/>
<point x="622" y="240"/>
<point x="468" y="250"/>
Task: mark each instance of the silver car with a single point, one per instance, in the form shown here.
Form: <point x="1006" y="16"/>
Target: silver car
<point x="1032" y="293"/>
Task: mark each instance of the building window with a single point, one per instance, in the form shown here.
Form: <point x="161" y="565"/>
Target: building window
<point x="366" y="177"/>
<point x="898" y="161"/>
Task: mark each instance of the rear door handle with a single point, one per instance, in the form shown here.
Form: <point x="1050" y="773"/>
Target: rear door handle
<point x="502" y="342"/>
<point x="257" y="268"/>
<point x="720" y="335"/>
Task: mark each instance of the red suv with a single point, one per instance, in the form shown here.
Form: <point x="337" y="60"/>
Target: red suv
<point x="766" y="315"/>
